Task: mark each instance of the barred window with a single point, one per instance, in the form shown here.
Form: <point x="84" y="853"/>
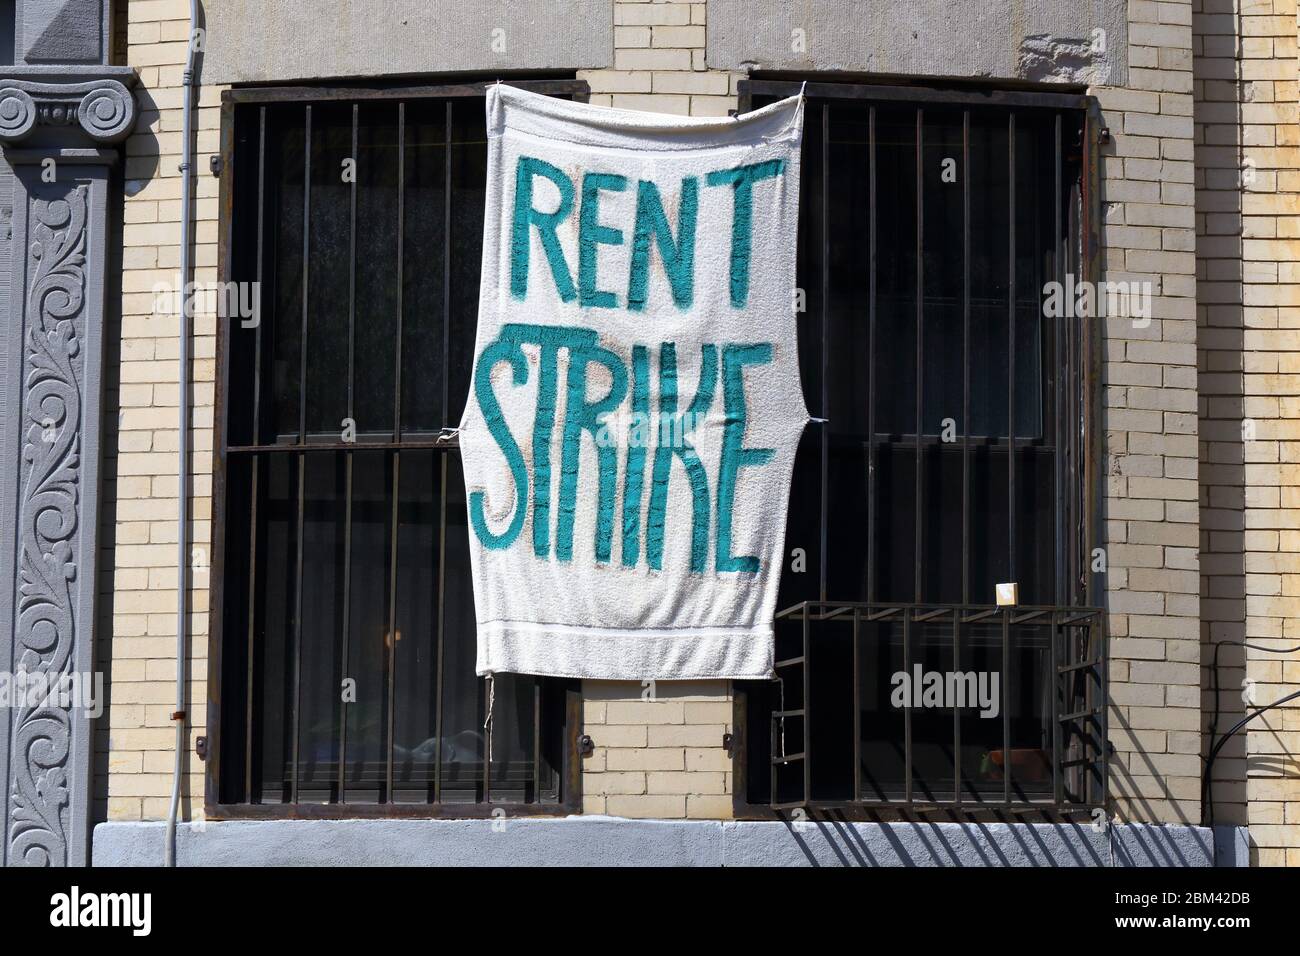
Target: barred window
<point x="952" y="455"/>
<point x="344" y="630"/>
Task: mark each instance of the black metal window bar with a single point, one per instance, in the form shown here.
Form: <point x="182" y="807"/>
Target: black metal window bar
<point x="955" y="450"/>
<point x="1064" y="764"/>
<point x="343" y="633"/>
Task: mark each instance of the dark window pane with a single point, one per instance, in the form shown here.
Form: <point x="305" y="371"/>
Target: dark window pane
<point x="1035" y="205"/>
<point x="423" y="268"/>
<point x="981" y="737"/>
<point x="464" y="703"/>
<point x="942" y="503"/>
<point x="830" y="704"/>
<point x="930" y="647"/>
<point x="236" y="741"/>
<point x="895" y="536"/>
<point x="990" y="275"/>
<point x="943" y="183"/>
<point x="1035" y="524"/>
<point x="896" y="266"/>
<point x="847" y="532"/>
<point x="896" y="357"/>
<point x="883" y="765"/>
<point x="943" y="356"/>
<point x="848" y="265"/>
<point x="847" y="376"/>
<point x="990" y="558"/>
<point x="273" y="660"/>
<point x="320" y="655"/>
<point x="801" y="576"/>
<point x="989" y="272"/>
<point x="377" y="301"/>
<point x="515" y="700"/>
<point x="244" y="340"/>
<point x="469" y="185"/>
<point x="328" y="286"/>
<point x="282" y="300"/>
<point x="1036" y="461"/>
<point x="368" y="638"/>
<point x="415" y="719"/>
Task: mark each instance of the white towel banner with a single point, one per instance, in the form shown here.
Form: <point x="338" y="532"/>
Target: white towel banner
<point x="635" y="406"/>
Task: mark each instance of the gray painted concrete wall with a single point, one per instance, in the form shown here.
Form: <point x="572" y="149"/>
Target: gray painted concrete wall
<point x="257" y="40"/>
<point x="62" y="31"/>
<point x="1082" y="41"/>
<point x="608" y="841"/>
<point x="1042" y="40"/>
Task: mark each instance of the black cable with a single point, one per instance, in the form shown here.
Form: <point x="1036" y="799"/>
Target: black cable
<point x="1207" y="804"/>
<point x="1214" y="672"/>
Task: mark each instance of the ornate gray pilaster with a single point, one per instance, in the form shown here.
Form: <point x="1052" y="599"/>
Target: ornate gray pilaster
<point x="61" y="112"/>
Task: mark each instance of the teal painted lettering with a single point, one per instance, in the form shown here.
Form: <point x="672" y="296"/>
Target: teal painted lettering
<point x="551" y="339"/>
<point x="579" y="416"/>
<point x="500" y="351"/>
<point x="592" y="234"/>
<point x="671" y="424"/>
<point x="742" y="178"/>
<point x="678" y="258"/>
<point x="634" y="477"/>
<point x="734" y="455"/>
<point x="546" y="222"/>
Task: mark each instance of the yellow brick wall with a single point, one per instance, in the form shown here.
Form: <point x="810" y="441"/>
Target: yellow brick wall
<point x="142" y="413"/>
<point x="1248" y="245"/>
<point x="659" y="62"/>
<point x="658" y="749"/>
<point x="1219" y="174"/>
<point x="1150" y="463"/>
<point x="1271" y="241"/>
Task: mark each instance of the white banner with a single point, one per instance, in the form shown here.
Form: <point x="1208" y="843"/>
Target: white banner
<point x="635" y="404"/>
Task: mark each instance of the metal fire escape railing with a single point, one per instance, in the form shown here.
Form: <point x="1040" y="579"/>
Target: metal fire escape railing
<point x="1078" y="694"/>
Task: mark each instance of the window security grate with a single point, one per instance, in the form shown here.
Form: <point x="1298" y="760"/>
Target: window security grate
<point x="343" y="612"/>
<point x="955" y="449"/>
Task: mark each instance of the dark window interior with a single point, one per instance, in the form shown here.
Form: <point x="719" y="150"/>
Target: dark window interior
<point x="950" y="457"/>
<point x="346" y="562"/>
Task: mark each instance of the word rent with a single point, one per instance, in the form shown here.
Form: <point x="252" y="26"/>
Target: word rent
<point x="642" y="383"/>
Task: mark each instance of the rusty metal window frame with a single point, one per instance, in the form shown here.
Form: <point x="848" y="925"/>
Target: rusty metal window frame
<point x="1076" y="622"/>
<point x="557" y="713"/>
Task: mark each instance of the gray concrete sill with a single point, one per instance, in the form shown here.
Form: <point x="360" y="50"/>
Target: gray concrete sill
<point x="612" y="841"/>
